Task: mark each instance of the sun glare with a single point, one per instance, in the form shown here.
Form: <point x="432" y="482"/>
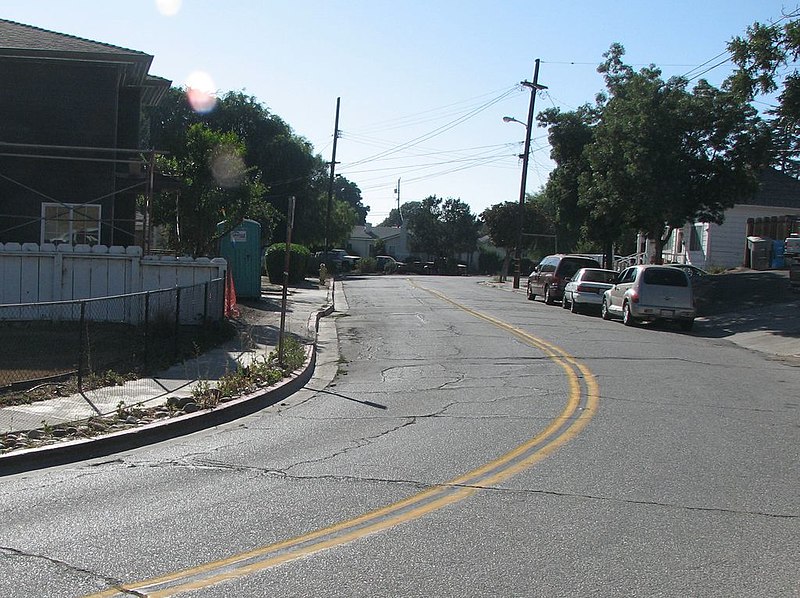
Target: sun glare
<point x="168" y="8"/>
<point x="201" y="92"/>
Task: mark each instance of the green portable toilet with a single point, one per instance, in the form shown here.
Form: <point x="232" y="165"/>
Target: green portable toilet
<point x="241" y="247"/>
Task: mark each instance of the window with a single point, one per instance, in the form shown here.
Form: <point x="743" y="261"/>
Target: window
<point x="669" y="277"/>
<point x="695" y="238"/>
<point x="70" y="223"/>
<point x="628" y="275"/>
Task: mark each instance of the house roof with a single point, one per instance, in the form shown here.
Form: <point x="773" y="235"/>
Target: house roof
<point x="375" y="232"/>
<point x="33" y="43"/>
<point x="776" y="189"/>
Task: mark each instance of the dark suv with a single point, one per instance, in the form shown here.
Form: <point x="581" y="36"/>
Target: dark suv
<point x="552" y="274"/>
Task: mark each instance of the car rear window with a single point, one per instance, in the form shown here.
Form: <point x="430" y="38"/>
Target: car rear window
<point x="570" y="265"/>
<point x="599" y="276"/>
<point x="670" y="277"/>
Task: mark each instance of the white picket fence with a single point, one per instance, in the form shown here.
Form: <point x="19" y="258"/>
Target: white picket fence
<point x="33" y="273"/>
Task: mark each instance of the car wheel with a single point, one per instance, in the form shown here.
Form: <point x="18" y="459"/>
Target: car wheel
<point x="530" y="294"/>
<point x="548" y="297"/>
<point x="686" y="325"/>
<point x="627" y="318"/>
<point x="573" y="307"/>
<point x="604" y="313"/>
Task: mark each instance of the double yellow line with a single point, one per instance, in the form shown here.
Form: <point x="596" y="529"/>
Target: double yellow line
<point x="581" y="405"/>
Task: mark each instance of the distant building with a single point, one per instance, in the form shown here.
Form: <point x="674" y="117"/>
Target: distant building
<point x="395" y="240"/>
<point x="70" y="111"/>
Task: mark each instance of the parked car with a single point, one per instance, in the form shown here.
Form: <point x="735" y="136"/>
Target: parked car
<point x="693" y="272"/>
<point x="550" y="276"/>
<point x="340" y="259"/>
<point x="389" y="265"/>
<point x="649" y="293"/>
<point x="586" y="289"/>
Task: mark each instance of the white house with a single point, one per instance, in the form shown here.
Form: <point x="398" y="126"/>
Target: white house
<point x="395" y="240"/>
<point x="703" y="244"/>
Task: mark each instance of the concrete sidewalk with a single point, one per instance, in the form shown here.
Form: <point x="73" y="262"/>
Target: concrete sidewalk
<point x="258" y="327"/>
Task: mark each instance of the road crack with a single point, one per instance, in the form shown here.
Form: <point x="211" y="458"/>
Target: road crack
<point x="13" y="553"/>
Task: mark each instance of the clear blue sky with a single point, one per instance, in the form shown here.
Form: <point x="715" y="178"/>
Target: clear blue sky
<point x="423" y="84"/>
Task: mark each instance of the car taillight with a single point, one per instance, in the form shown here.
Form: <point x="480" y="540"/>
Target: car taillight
<point x="634" y="297"/>
<point x="582" y="288"/>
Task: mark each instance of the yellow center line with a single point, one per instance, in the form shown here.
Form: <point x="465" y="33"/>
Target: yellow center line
<point x="490" y="474"/>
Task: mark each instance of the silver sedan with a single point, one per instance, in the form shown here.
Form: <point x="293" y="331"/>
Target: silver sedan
<point x="586" y="288"/>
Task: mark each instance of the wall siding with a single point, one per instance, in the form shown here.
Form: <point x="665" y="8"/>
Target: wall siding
<point x="728" y="240"/>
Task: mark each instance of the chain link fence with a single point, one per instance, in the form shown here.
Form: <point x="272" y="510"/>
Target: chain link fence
<point x="123" y="336"/>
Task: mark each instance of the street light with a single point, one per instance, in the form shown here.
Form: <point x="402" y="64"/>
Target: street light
<point x="534" y="87"/>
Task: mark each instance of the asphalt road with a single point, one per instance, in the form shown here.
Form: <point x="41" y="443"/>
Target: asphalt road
<point x="471" y="444"/>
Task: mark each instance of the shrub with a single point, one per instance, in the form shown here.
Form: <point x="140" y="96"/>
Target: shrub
<point x="274" y="259"/>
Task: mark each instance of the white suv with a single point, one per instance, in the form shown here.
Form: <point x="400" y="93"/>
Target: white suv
<point x="649" y="293"/>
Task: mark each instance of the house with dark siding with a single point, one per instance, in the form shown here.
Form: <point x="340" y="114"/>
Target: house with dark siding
<point x="70" y="129"/>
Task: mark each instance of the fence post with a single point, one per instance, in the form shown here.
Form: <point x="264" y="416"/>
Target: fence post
<point x="81" y="345"/>
<point x="177" y="322"/>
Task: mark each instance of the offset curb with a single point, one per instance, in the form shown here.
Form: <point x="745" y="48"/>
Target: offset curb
<point x="72" y="451"/>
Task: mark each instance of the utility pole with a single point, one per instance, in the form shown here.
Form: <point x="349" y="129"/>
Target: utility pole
<point x="333" y="169"/>
<point x="397" y="190"/>
<point x="534" y="87"/>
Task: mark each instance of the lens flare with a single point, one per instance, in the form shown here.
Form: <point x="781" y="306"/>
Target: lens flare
<point x="228" y="167"/>
<point x="168" y="8"/>
<point x="201" y="92"/>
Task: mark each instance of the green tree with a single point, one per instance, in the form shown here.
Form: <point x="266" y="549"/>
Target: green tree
<point x="215" y="186"/>
<point x="766" y="58"/>
<point x="459" y="228"/>
<point x="424" y="231"/>
<point x="662" y="156"/>
<point x="440" y="228"/>
<point x="569" y="134"/>
<point x="348" y="193"/>
<point x="286" y="162"/>
<point x="502" y="225"/>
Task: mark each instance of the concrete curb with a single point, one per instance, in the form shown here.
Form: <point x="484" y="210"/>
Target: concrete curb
<point x="72" y="451"/>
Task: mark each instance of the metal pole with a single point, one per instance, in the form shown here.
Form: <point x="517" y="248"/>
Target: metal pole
<point x="289" y="225"/>
<point x="81" y="346"/>
<point x="526" y="154"/>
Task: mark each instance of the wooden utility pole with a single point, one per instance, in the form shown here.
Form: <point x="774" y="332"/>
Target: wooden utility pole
<point x="333" y="169"/>
<point x="399" y="213"/>
<point x="526" y="154"/>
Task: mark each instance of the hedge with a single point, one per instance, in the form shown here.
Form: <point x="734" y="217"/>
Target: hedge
<point x="274" y="259"/>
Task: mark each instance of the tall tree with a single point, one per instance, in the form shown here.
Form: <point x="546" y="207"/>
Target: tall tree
<point x="459" y="228"/>
<point x="662" y="156"/>
<point x="569" y="133"/>
<point x="502" y="224"/>
<point x="216" y="186"/>
<point x="766" y="58"/>
<point x="424" y="231"/>
<point x="348" y="192"/>
<point x="286" y="162"/>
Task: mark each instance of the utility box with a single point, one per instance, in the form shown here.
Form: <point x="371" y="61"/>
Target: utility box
<point x="759" y="248"/>
<point x="241" y="247"/>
